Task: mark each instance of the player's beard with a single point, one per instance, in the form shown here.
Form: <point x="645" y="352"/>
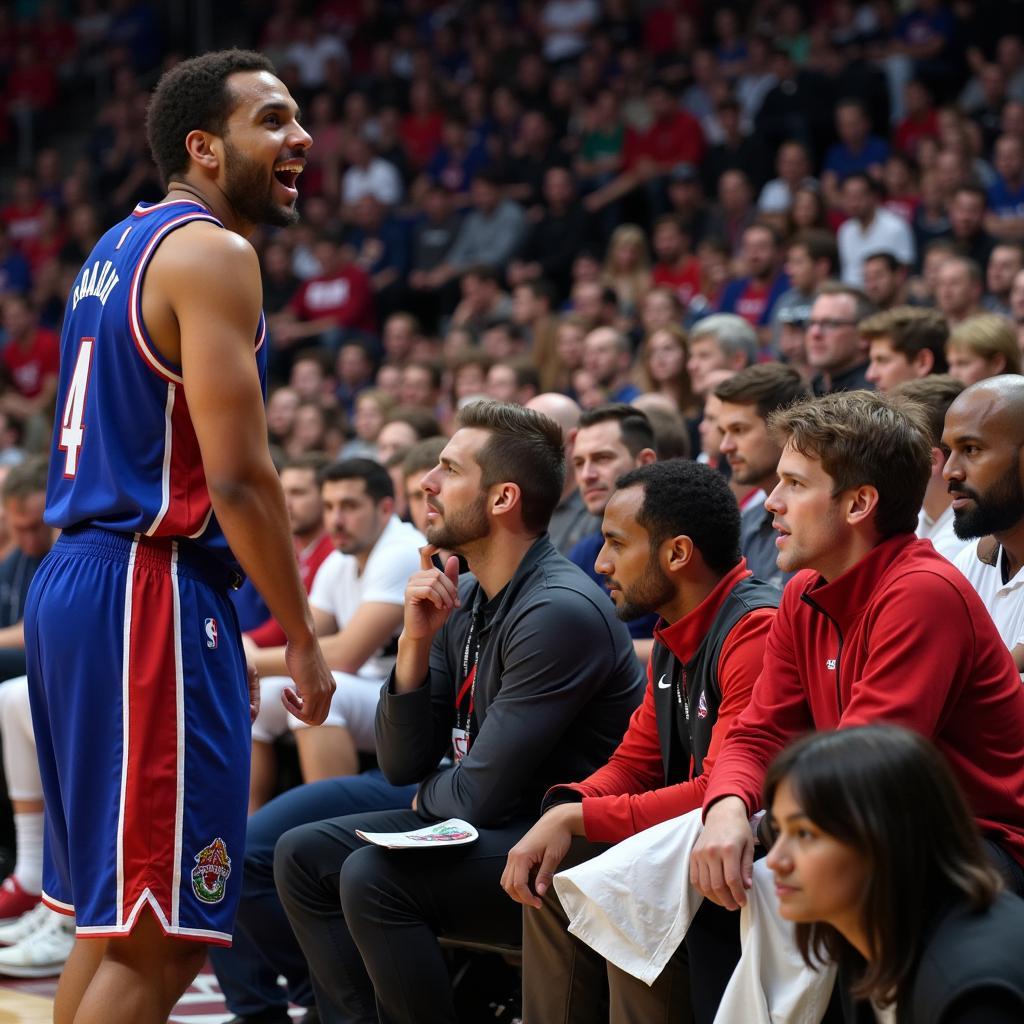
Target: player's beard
<point x="249" y="188"/>
<point x="460" y="528"/>
<point x="651" y="591"/>
<point x="999" y="509"/>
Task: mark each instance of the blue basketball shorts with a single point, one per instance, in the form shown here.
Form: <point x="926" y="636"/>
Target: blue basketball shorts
<point x="141" y="713"/>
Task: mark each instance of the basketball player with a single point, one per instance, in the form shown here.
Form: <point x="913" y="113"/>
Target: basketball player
<point x="162" y="483"/>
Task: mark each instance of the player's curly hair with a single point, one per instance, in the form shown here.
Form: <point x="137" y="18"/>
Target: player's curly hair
<point x="191" y="96"/>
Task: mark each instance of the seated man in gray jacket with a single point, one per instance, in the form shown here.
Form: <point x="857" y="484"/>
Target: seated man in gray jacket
<point x="523" y="670"/>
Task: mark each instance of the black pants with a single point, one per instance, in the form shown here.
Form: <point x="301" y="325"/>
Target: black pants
<point x="368" y="919"/>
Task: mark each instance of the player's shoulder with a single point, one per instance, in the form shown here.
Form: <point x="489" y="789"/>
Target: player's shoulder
<point x="204" y="246"/>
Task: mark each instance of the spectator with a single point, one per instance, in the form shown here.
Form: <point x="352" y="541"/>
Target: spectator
<point x="533" y="303"/>
<point x="662" y="369"/>
<point x="311" y="53"/>
<point x="421" y="386"/>
<point x="401" y="331"/>
<point x="31" y="357"/>
<point x="862" y="466"/>
<point x="982" y="346"/>
<point x="753" y="297"/>
<point x="571" y="520"/>
<point x="735" y="210"/>
<point x="904" y="343"/>
<point x="457" y="160"/>
<point x="967" y="224"/>
<point x="934" y="395"/>
<point x="420" y="459"/>
<point x="835" y="348"/>
<point x="856" y="152"/>
<point x="610" y="441"/>
<point x="515" y="382"/>
<point x="1005" y="219"/>
<point x="422" y="129"/>
<point x="919" y="118"/>
<point x="368" y="175"/>
<point x="958" y="288"/>
<point x="713" y="620"/>
<point x="403" y="427"/>
<point x="332" y="307"/>
<point x="554" y="239"/>
<point x="1005" y="263"/>
<point x="483" y="303"/>
<point x="811" y="259"/>
<point x="627" y="269"/>
<point x="564" y="26"/>
<point x="354" y="369"/>
<point x="793" y="170"/>
<point x="982" y="434"/>
<point x="506" y="755"/>
<point x="874" y="799"/>
<point x="528" y="160"/>
<point x="746" y="400"/>
<point x="607" y="356"/>
<point x="885" y="280"/>
<point x="720" y="342"/>
<point x="357" y="610"/>
<point x="869" y="229"/>
<point x="489" y="235"/>
<point x="675" y="265"/>
<point x="736" y="148"/>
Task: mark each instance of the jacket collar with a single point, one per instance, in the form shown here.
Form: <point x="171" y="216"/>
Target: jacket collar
<point x="847" y="595"/>
<point x="537" y="552"/>
<point x="684" y="637"/>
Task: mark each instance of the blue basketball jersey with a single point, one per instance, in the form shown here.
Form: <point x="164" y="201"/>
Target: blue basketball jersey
<point x="124" y="454"/>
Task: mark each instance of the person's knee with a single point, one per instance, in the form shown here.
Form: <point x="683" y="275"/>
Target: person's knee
<point x="360" y="884"/>
<point x="290" y="859"/>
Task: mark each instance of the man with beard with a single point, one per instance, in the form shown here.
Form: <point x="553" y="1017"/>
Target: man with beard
<point x="671" y="546"/>
<point x="522" y="670"/>
<point x="985" y="436"/>
<point x="876" y="627"/>
<point x="747" y="400"/>
<point x="162" y="484"/>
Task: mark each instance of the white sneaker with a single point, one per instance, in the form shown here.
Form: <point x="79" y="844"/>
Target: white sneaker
<point x="25" y="925"/>
<point x="43" y="953"/>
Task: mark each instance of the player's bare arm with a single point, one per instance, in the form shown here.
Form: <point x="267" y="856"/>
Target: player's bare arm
<point x="201" y="303"/>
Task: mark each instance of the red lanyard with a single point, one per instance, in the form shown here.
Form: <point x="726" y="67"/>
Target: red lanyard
<point x="469" y="675"/>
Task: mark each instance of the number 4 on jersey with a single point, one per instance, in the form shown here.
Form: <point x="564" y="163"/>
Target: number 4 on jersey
<point x="72" y="429"/>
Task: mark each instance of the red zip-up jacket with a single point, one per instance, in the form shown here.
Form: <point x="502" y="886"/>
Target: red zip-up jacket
<point x="629" y="794"/>
<point x="901" y="637"/>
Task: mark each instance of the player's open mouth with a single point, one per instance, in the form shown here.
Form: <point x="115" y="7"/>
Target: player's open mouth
<point x="287" y="174"/>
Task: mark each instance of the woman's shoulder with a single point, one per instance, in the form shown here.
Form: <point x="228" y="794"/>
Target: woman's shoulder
<point x="967" y="951"/>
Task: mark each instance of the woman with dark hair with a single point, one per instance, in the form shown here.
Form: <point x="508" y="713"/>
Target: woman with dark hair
<point x="878" y="862"/>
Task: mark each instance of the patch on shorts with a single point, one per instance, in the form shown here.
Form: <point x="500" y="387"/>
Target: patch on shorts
<point x="210" y="875"/>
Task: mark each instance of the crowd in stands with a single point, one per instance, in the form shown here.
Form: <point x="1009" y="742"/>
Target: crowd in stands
<point x="661" y="224"/>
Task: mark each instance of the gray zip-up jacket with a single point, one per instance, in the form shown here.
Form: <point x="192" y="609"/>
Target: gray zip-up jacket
<point x="556" y="683"/>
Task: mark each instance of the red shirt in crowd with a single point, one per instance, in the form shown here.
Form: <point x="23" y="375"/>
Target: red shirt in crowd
<point x="344" y="296"/>
<point x="683" y="280"/>
<point x="629" y="794"/>
<point x="31" y="364"/>
<point x="310" y="558"/>
<point x="421" y="137"/>
<point x="675" y="139"/>
<point x="900" y="638"/>
<point x="910" y="131"/>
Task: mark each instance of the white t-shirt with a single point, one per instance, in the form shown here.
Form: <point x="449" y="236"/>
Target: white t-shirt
<point x="886" y="233"/>
<point x="940" y="532"/>
<point x="380" y="180"/>
<point x="1004" y="601"/>
<point x="566" y="21"/>
<point x="339" y="589"/>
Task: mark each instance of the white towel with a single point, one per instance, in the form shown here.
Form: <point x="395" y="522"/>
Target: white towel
<point x="634" y="903"/>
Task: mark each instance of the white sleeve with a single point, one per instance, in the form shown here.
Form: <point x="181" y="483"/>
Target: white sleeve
<point x="325" y="583"/>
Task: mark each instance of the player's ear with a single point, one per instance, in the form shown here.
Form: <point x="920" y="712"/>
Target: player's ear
<point x="203" y="149"/>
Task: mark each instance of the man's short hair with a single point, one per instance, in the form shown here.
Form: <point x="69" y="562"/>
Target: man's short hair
<point x="525" y="448"/>
<point x="732" y="334"/>
<point x="768" y="386"/>
<point x="26" y="478"/>
<point x="423" y="456"/>
<point x="313" y="461"/>
<point x="864" y="307"/>
<point x="671" y="440"/>
<point x="972" y="190"/>
<point x="988" y="335"/>
<point x="933" y="394"/>
<point x="891" y="263"/>
<point x="637" y="433"/>
<point x="909" y="330"/>
<point x="973" y="267"/>
<point x="373" y="474"/>
<point x="194" y="96"/>
<point x="687" y="498"/>
<point x="862" y="437"/>
<point x="819" y="245"/>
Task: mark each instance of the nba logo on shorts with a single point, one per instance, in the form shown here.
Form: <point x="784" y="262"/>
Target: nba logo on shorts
<point x="211" y="633"/>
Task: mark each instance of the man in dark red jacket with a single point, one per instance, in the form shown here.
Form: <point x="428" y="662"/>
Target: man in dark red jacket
<point x="880" y="628"/>
<point x="671" y="546"/>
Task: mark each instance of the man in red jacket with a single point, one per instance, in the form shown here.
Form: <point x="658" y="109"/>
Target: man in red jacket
<point x="879" y="628"/>
<point x="671" y="546"/>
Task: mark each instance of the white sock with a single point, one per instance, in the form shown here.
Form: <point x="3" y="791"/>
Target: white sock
<point x="28" y="872"/>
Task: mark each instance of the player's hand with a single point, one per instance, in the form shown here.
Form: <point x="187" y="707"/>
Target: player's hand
<point x="430" y="596"/>
<point x="532" y="862"/>
<point x="722" y="862"/>
<point x="310" y="701"/>
<point x="254" y="691"/>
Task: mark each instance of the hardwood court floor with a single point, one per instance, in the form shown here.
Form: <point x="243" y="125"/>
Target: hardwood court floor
<point x="31" y="1002"/>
